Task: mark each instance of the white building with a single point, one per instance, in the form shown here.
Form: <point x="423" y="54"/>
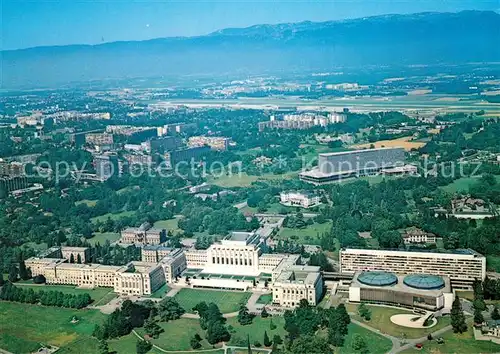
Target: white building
<point x="461" y="266"/>
<point x="302" y="199"/>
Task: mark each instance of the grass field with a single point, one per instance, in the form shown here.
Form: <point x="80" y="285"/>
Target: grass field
<point x="169" y="225"/>
<point x="96" y="294"/>
<point x="178" y="333"/>
<point x="89" y="203"/>
<point x="102" y="237"/>
<point x="381" y="320"/>
<point x="244" y="180"/>
<point x="457" y="343"/>
<point x="255" y="330"/>
<point x="116" y="216"/>
<point x="375" y="343"/>
<point x="308" y="235"/>
<point x="404" y="142"/>
<point x="228" y="301"/>
<point x="265" y="299"/>
<point x="24" y="327"/>
<point x="460" y="185"/>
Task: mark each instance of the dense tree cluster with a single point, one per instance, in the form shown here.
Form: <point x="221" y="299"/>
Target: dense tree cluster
<point x="213" y="322"/>
<point x="9" y="292"/>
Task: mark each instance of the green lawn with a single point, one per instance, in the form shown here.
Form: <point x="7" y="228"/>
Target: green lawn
<point x="89" y="203"/>
<point x="457" y="343"/>
<point x="125" y="345"/>
<point x="102" y="237"/>
<point x="308" y="235"/>
<point x="255" y="330"/>
<point x="461" y="184"/>
<point x="158" y="294"/>
<point x="228" y="301"/>
<point x="244" y="180"/>
<point x="265" y="299"/>
<point x="116" y="216"/>
<point x="381" y="320"/>
<point x="178" y="333"/>
<point x="169" y="225"/>
<point x="375" y="342"/>
<point x="23" y="327"/>
<point x="97" y="294"/>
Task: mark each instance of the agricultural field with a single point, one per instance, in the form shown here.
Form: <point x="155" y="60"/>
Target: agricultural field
<point x="102" y="237"/>
<point x="381" y="320"/>
<point x="98" y="295"/>
<point x="116" y="216"/>
<point x="404" y="142"/>
<point x="24" y="327"/>
<point x="228" y="301"/>
<point x="308" y="235"/>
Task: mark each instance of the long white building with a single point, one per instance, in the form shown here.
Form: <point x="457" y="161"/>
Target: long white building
<point x="461" y="266"/>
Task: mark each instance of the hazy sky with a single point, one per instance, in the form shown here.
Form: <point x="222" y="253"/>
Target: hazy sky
<point x="29" y="23"/>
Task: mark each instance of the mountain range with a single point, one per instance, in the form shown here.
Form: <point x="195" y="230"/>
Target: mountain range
<point x="423" y="38"/>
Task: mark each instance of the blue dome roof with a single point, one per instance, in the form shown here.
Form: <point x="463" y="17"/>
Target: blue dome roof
<point x="424" y="281"/>
<point x="377" y="278"/>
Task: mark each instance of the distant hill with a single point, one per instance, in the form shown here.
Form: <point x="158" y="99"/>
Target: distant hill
<point x="424" y="38"/>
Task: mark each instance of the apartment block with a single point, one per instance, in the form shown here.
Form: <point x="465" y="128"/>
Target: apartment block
<point x="461" y="266"/>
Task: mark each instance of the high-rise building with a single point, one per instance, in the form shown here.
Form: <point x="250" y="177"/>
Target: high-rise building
<point x="461" y="266"/>
<point x="107" y="166"/>
<point x="337" y="165"/>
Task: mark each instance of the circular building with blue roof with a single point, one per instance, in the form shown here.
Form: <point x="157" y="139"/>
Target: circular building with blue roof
<point x="424" y="281"/>
<point x="378" y="278"/>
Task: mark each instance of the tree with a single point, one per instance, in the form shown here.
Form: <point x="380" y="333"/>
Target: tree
<point x="2" y="280"/>
<point x="13" y="273"/>
<point x="458" y="317"/>
<point x="152" y="328"/>
<point x="310" y="344"/>
<point x="429" y="336"/>
<point x="364" y="311"/>
<point x="358" y="343"/>
<point x="142" y="346"/>
<point x="343" y="314"/>
<point x="267" y="341"/>
<point x="39" y="279"/>
<point x="71" y="258"/>
<point x="78" y="259"/>
<point x="23" y="272"/>
<point x="337" y="327"/>
<point x="264" y="313"/>
<point x="244" y="317"/>
<point x="195" y="342"/>
<point x="495" y="315"/>
<point x="169" y="309"/>
<point x="478" y="316"/>
<point x="249" y="349"/>
<point x="103" y="347"/>
<point x="217" y="332"/>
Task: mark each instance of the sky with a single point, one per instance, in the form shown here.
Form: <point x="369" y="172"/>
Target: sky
<point x="30" y="23"/>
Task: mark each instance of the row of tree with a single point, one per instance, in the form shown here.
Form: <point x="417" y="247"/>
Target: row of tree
<point x="9" y="292"/>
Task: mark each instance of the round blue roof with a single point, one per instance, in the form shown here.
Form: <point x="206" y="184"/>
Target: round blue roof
<point x="377" y="278"/>
<point x="424" y="281"/>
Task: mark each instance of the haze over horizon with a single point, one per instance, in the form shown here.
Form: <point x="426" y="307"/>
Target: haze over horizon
<point x="32" y="23"/>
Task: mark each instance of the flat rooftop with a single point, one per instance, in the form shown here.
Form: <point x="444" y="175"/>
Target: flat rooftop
<point x="358" y="151"/>
<point x="464" y="252"/>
